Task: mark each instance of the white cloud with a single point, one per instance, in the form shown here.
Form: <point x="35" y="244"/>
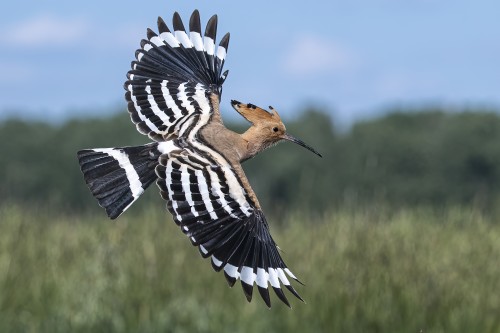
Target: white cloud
<point x="312" y="55"/>
<point x="45" y="30"/>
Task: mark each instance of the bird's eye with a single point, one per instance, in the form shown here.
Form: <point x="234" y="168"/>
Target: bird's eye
<point x="275" y="129"/>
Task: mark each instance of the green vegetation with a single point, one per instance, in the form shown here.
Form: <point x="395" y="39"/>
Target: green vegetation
<point x="365" y="271"/>
<point x="428" y="158"/>
<point x="394" y="230"/>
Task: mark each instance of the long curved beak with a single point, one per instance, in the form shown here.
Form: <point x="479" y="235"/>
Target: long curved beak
<point x="300" y="143"/>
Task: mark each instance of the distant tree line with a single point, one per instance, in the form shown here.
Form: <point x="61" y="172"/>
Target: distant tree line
<point x="429" y="157"/>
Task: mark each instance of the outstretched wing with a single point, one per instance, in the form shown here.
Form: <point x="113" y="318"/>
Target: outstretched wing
<point x="208" y="200"/>
<point x="175" y="76"/>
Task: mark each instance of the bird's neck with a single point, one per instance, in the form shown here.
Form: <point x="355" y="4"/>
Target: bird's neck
<point x="255" y="143"/>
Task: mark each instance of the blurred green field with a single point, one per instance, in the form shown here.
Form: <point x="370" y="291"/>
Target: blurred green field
<point x="368" y="271"/>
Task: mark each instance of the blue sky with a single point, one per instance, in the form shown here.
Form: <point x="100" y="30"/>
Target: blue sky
<point x="61" y="59"/>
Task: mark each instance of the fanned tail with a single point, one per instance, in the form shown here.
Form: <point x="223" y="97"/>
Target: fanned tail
<point x="118" y="176"/>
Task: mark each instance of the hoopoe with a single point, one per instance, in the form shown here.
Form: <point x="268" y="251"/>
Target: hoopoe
<point x="173" y="92"/>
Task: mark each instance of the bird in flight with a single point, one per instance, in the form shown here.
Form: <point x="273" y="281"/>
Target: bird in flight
<point x="173" y="92"/>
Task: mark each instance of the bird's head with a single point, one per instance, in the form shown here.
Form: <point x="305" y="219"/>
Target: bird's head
<point x="269" y="129"/>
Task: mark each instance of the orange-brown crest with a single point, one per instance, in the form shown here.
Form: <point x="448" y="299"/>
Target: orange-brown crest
<point x="254" y="114"/>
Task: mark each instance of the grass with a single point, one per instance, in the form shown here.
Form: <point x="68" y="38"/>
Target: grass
<point x="370" y="271"/>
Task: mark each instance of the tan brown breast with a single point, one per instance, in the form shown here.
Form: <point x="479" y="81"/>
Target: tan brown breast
<point x="232" y="147"/>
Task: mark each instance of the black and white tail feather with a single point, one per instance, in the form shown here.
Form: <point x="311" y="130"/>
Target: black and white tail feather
<point x="173" y="90"/>
<point x="118" y="176"/>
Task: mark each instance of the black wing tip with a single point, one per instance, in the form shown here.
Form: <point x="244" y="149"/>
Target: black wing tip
<point x="295" y="278"/>
<point x="143" y="43"/>
<point x="81" y="153"/>
<point x="294" y="292"/>
<point x="230" y="280"/>
<point x="177" y="22"/>
<point x="235" y="102"/>
<point x="298" y="281"/>
<point x="247" y="290"/>
<point x="215" y="267"/>
<point x="281" y="296"/>
<point x="225" y="41"/>
<point x="162" y="26"/>
<point x="150" y="33"/>
<point x="194" y="22"/>
<point x="211" y="29"/>
<point x="264" y="293"/>
<point x="112" y="213"/>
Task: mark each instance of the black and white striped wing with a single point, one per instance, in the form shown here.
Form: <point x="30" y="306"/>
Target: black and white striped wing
<point x="175" y="75"/>
<point x="212" y="207"/>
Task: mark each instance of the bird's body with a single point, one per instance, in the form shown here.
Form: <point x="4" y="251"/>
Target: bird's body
<point x="173" y="93"/>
